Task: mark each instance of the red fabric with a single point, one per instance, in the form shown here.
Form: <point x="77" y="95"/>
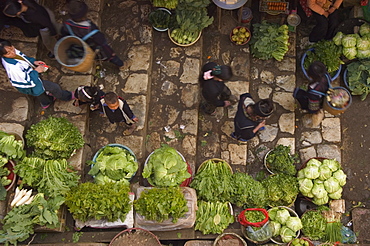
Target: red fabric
<point x="242" y="220"/>
<point x="305" y="8"/>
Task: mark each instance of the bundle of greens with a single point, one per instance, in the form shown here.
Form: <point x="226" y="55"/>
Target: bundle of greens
<point x="18" y="224"/>
<point x="54" y="138"/>
<point x="322" y="180"/>
<point x="113" y="164"/>
<point x="248" y="192"/>
<point x="4" y="181"/>
<point x="279" y="160"/>
<point x="169" y="4"/>
<point x="313" y="224"/>
<point x="166" y="168"/>
<point x="333" y="227"/>
<point x="213" y="181"/>
<point x="286" y="225"/>
<point x="159" y="204"/>
<point x="282" y="189"/>
<point x="213" y="217"/>
<point x="96" y="201"/>
<point x="358" y="78"/>
<point x="11" y="148"/>
<point x="51" y="177"/>
<point x="269" y="40"/>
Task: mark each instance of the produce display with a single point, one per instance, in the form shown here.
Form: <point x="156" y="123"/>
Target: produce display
<point x="355" y="45"/>
<point x="21" y="197"/>
<point x="4" y="181"/>
<point x="248" y="192"/>
<point x="286" y="224"/>
<point x="313" y="224"/>
<point x="159" y="18"/>
<point x="269" y="40"/>
<point x="54" y="138"/>
<point x="358" y="74"/>
<point x="51" y="177"/>
<point x="240" y="35"/>
<point x="322" y="180"/>
<point x="279" y="160"/>
<point x="166" y="168"/>
<point x="213" y="181"/>
<point x="160" y="204"/>
<point x="338" y="97"/>
<point x="113" y="164"/>
<point x="299" y="242"/>
<point x="282" y="189"/>
<point x="10" y="147"/>
<point x="169" y="4"/>
<point x="96" y="201"/>
<point x="213" y="217"/>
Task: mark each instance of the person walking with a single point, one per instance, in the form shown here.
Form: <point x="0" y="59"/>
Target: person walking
<point x="250" y="117"/>
<point x="24" y="74"/>
<point x="88" y="95"/>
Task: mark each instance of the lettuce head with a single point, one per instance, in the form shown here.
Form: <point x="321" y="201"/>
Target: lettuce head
<point x="294" y="223"/>
<point x="336" y="195"/>
<point x="311" y="172"/>
<point x="305" y="185"/>
<point x="287" y="234"/>
<point x="340" y="176"/>
<point x="331" y="185"/>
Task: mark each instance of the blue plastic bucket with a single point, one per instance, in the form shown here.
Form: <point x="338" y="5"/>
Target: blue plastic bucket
<point x="345" y="78"/>
<point x="305" y="71"/>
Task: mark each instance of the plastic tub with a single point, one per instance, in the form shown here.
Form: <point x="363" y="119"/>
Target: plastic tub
<point x="333" y="110"/>
<point x="163" y="10"/>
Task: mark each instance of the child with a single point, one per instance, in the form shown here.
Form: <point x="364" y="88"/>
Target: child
<point x="88" y="94"/>
<point x="117" y="110"/>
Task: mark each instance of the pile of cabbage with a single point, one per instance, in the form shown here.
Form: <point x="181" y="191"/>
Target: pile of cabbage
<point x="285" y="225"/>
<point x="355" y="45"/>
<point x="321" y="180"/>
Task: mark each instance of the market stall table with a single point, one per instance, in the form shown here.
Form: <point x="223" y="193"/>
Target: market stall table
<point x="229" y="5"/>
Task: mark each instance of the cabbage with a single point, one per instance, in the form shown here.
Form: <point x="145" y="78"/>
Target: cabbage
<point x="308" y="194"/>
<point x="282" y="216"/>
<point x="336" y="195"/>
<point x="276" y="226"/>
<point x="338" y="38"/>
<point x="294" y="223"/>
<point x="364" y="29"/>
<point x="314" y="162"/>
<point x="332" y="164"/>
<point x="362" y="43"/>
<point x="311" y="172"/>
<point x="350" y="53"/>
<point x="340" y="176"/>
<point x="272" y="213"/>
<point x="318" y="190"/>
<point x="321" y="201"/>
<point x="331" y="185"/>
<point x="305" y="185"/>
<point x="300" y="174"/>
<point x="349" y="40"/>
<point x="363" y="54"/>
<point x="287" y="234"/>
<point x="325" y="172"/>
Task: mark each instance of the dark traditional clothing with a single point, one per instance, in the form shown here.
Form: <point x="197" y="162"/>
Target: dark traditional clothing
<point x="122" y="114"/>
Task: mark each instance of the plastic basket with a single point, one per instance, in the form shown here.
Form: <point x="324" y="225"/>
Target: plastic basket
<point x="163" y="10"/>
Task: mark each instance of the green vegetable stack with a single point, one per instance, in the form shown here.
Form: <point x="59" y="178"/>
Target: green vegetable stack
<point x="322" y="180"/>
<point x="160" y="18"/>
<point x="358" y="78"/>
<point x="54" y="138"/>
<point x="279" y="160"/>
<point x="11" y="148"/>
<point x="169" y="4"/>
<point x="313" y="224"/>
<point x="166" y="168"/>
<point x="160" y="204"/>
<point x="285" y="225"/>
<point x="300" y="242"/>
<point x="269" y="40"/>
<point x="113" y="164"/>
<point x="4" y="181"/>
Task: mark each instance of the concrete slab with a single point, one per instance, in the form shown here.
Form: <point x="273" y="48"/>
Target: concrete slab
<point x="16" y="34"/>
<point x="361" y="222"/>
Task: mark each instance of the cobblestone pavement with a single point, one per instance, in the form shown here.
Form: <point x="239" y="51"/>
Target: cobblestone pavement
<point x="161" y="85"/>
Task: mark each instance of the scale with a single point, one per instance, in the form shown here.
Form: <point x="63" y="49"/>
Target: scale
<point x="293" y="20"/>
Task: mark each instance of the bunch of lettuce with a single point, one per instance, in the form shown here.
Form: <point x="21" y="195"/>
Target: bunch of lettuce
<point x="166" y="168"/>
<point x="314" y="224"/>
<point x="282" y="189"/>
<point x="279" y="160"/>
<point x="54" y="138"/>
<point x="358" y="77"/>
<point x="10" y="147"/>
<point x="285" y="225"/>
<point x="113" y="164"/>
<point x="322" y="180"/>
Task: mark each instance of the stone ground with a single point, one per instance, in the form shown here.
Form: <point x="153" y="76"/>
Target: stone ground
<point x="161" y="85"/>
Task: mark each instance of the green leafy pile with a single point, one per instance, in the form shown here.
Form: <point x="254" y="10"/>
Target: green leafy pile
<point x="4" y="181"/>
<point x="326" y="52"/>
<point x="96" y="201"/>
<point x="282" y="189"/>
<point x="279" y="160"/>
<point x="269" y="40"/>
<point x="54" y="138"/>
<point x="358" y="78"/>
<point x="314" y="224"/>
<point x="213" y="217"/>
<point x="166" y="168"/>
<point x="51" y="177"/>
<point x="286" y="225"/>
<point x="159" y="204"/>
<point x="113" y="164"/>
<point x="11" y="148"/>
<point x="19" y="223"/>
<point x="248" y="192"/>
<point x="213" y="181"/>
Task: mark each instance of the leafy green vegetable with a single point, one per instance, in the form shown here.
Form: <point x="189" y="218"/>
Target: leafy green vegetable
<point x="254" y="216"/>
<point x="364" y="29"/>
<point x="159" y="204"/>
<point x="11" y="148"/>
<point x="248" y="192"/>
<point x="358" y="78"/>
<point x="349" y="40"/>
<point x="213" y="217"/>
<point x="54" y="138"/>
<point x="51" y="177"/>
<point x="159" y="18"/>
<point x="166" y="168"/>
<point x="213" y="181"/>
<point x="287" y="234"/>
<point x="279" y="160"/>
<point x="96" y="201"/>
<point x="116" y="163"/>
<point x="286" y="225"/>
<point x="313" y="224"/>
<point x="338" y="38"/>
<point x="294" y="223"/>
<point x="4" y="172"/>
